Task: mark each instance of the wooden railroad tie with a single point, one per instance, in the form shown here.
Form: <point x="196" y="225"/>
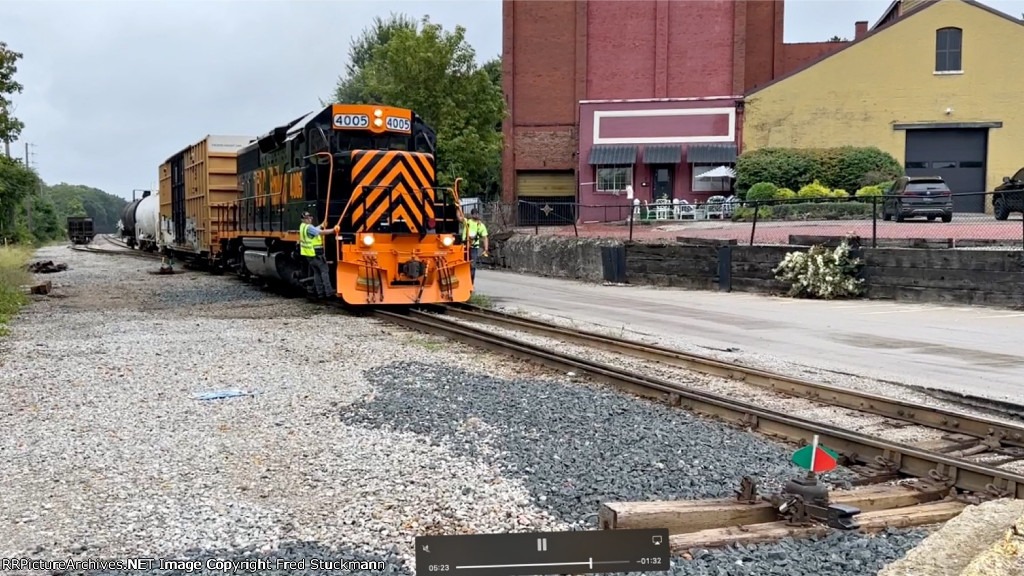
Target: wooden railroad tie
<point x="40" y="288"/>
<point x="719" y="522"/>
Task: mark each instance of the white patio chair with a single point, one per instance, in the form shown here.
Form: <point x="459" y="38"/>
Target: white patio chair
<point x="730" y="206"/>
<point x="682" y="210"/>
<point x="662" y="208"/>
<point x="716" y="206"/>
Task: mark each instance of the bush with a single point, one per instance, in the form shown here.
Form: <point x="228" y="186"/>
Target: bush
<point x="822" y="273"/>
<point x="746" y="214"/>
<point x="868" y="191"/>
<point x="856" y="164"/>
<point x="840" y="194"/>
<point x="845" y="168"/>
<point x="13" y="275"/>
<point x="822" y="211"/>
<point x="784" y="194"/>
<point x="761" y="191"/>
<point x="814" y="191"/>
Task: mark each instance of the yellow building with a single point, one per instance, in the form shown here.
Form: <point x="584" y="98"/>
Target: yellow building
<point x="937" y="84"/>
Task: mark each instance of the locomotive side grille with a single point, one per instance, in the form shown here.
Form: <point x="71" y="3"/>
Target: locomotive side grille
<point x="410" y="176"/>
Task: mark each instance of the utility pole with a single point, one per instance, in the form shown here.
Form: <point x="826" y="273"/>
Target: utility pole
<point x="28" y="204"/>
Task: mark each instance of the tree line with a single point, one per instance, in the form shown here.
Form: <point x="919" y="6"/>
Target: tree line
<point x="395" y="61"/>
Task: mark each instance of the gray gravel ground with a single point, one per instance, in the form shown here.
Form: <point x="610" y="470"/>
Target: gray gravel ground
<point x="573" y="446"/>
<point x="343" y="453"/>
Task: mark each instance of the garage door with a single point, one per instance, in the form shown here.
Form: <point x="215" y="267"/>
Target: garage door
<point x="958" y="156"/>
<point x="546" y="198"/>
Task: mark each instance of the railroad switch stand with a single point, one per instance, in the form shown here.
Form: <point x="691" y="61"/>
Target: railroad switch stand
<point x="804" y="501"/>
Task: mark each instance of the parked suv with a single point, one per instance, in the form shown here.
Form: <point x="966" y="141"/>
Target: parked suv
<point x="911" y="197"/>
<point x="1009" y="196"/>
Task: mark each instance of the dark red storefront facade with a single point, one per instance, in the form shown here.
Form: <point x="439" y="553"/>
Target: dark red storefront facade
<point x="641" y="68"/>
<point x="657" y="148"/>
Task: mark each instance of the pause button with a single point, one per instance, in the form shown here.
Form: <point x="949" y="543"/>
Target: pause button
<point x="542" y="544"/>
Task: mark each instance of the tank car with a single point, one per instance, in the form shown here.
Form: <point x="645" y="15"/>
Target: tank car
<point x="147" y="222"/>
<point x="127" y="224"/>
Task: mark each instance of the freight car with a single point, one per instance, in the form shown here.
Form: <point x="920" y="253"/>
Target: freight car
<point x="147" y="223"/>
<point x="191" y="180"/>
<point x="80" y="230"/>
<point x="367" y="170"/>
<point x="140" y="222"/>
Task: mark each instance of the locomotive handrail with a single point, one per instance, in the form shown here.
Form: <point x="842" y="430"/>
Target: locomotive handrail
<point x="350" y="198"/>
<point x="458" y="208"/>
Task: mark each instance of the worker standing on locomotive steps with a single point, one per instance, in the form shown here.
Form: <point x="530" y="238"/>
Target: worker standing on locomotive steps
<point x="311" y="245"/>
<point x="475" y="231"/>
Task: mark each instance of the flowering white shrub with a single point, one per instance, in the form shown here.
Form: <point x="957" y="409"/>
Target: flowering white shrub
<point x="822" y="273"/>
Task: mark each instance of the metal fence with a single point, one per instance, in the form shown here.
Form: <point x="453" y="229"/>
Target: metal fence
<point x="875" y="220"/>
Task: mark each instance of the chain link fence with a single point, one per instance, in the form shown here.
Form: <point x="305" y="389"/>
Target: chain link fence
<point x="962" y="220"/>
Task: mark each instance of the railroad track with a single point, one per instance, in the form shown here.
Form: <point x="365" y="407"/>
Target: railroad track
<point x="978" y="435"/>
<point x="121" y="249"/>
<point x="875" y="459"/>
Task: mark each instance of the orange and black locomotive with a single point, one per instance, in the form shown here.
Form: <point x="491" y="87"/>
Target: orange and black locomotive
<point x="367" y="170"/>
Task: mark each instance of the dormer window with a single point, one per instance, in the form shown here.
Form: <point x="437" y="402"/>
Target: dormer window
<point x="948" y="50"/>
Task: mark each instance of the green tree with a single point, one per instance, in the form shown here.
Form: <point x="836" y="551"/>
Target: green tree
<point x="350" y="87"/>
<point x="17" y="183"/>
<point x="10" y="127"/>
<point x="75" y="209"/>
<point x="104" y="208"/>
<point x="434" y="73"/>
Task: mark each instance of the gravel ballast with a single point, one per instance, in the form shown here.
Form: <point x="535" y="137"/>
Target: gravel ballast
<point x="574" y="446"/>
<point x="358" y="437"/>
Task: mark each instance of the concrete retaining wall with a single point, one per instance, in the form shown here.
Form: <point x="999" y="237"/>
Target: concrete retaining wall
<point x="987" y="277"/>
<point x="555" y="256"/>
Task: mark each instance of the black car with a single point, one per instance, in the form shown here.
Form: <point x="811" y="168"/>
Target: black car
<point x="1009" y="196"/>
<point x="911" y="197"/>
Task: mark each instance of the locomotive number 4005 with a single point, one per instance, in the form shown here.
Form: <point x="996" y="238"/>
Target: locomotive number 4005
<point x="351" y="120"/>
<point x="398" y="124"/>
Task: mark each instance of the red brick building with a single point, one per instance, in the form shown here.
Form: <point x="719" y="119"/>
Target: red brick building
<point x="645" y="93"/>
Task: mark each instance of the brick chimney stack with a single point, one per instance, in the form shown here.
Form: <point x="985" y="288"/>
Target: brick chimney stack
<point x="861" y="31"/>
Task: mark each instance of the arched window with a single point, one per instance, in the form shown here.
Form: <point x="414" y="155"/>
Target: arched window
<point x="948" y="50"/>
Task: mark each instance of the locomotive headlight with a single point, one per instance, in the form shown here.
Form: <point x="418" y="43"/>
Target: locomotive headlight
<point x="378" y="112"/>
<point x="447" y="241"/>
<point x="377" y="122"/>
<point x="368" y="240"/>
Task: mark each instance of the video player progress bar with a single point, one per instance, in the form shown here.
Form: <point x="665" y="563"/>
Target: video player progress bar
<point x="590" y="563"/>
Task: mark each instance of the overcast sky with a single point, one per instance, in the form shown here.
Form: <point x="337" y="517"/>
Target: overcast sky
<point x="112" y="88"/>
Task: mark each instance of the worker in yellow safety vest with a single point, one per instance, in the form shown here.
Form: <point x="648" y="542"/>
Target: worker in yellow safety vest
<point x="475" y="232"/>
<point x="311" y="245"/>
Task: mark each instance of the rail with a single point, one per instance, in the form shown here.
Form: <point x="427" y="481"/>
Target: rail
<point x="937" y="472"/>
<point x="938" y="418"/>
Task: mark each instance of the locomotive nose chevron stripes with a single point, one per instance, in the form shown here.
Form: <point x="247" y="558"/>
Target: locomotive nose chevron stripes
<point x="392" y="182"/>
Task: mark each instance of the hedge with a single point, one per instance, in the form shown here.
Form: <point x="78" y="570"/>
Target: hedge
<point x="843" y="168"/>
<point x="807" y="211"/>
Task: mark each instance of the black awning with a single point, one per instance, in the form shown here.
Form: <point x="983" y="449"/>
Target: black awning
<point x="711" y="154"/>
<point x="608" y="155"/>
<point x="663" y="154"/>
